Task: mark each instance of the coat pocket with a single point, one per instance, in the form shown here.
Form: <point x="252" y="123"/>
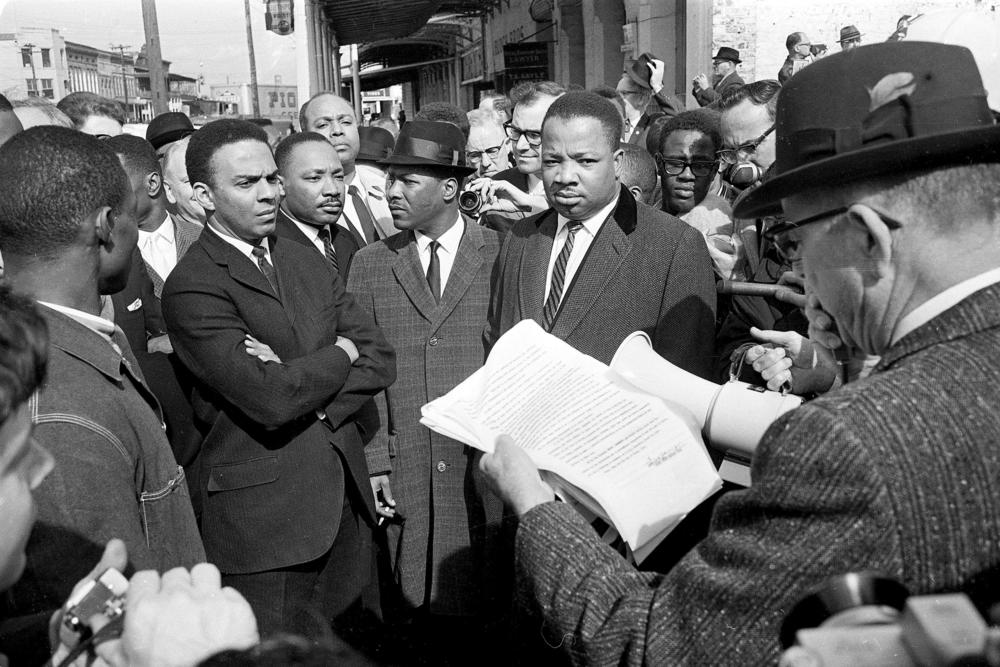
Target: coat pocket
<point x="232" y="476"/>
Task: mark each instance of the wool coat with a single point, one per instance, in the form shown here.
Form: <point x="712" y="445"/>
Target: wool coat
<point x="896" y="473"/>
<point x="444" y="558"/>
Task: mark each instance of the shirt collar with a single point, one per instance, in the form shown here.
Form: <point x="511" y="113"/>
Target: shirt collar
<point x="165" y="231"/>
<point x="311" y="231"/>
<point x="105" y="328"/>
<point x="594" y="222"/>
<point x="241" y="245"/>
<point x="939" y="303"/>
<point x="449" y="240"/>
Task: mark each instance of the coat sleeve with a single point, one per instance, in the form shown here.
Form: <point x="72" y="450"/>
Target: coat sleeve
<point x="492" y="330"/>
<point x="818" y="507"/>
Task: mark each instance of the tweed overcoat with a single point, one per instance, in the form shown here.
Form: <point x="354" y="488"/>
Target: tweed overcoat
<point x="646" y="270"/>
<point x="449" y="535"/>
<point x="896" y="473"/>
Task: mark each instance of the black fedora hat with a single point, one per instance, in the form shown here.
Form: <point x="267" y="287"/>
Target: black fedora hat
<point x="849" y="33"/>
<point x="376" y="143"/>
<point x="430" y="143"/>
<point x="728" y="53"/>
<point x="638" y="70"/>
<point x="898" y="107"/>
<point x="167" y="127"/>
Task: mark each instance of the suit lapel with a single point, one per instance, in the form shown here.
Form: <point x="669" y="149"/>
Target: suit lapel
<point x="410" y="274"/>
<point x="534" y="268"/>
<point x="468" y="261"/>
<point x="241" y="268"/>
<point x="185" y="233"/>
<point x="154" y="277"/>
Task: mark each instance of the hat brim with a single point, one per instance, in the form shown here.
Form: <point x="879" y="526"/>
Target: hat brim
<point x="898" y="157"/>
<point x="170" y="136"/>
<point x="424" y="162"/>
<point x="730" y="60"/>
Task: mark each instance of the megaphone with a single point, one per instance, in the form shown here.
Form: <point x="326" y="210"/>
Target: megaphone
<point x="733" y="416"/>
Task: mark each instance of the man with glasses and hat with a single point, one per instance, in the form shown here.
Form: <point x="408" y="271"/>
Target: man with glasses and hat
<point x="890" y="191"/>
<point x="428" y="289"/>
<point x="724" y="72"/>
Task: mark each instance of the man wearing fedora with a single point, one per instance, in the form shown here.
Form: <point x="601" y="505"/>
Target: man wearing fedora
<point x="166" y="129"/>
<point x="726" y="77"/>
<point x="640" y="84"/>
<point x="850" y="38"/>
<point x="889" y="189"/>
<point x="428" y="289"/>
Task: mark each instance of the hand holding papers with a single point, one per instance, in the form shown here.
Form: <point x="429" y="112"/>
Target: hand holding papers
<point x="623" y="454"/>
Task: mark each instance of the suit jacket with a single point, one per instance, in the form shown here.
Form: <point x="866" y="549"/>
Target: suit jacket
<point x="273" y="476"/>
<point x="729" y="82"/>
<point x="646" y="270"/>
<point x="448" y="548"/>
<point x="895" y="473"/>
<point x="137" y="310"/>
<point x="185" y="234"/>
<point x="638" y="135"/>
<point x="344" y="244"/>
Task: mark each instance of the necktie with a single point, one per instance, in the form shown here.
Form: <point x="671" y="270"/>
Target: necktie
<point x="434" y="272"/>
<point x="364" y="217"/>
<point x="559" y="275"/>
<point x="331" y="255"/>
<point x="628" y="128"/>
<point x="265" y="267"/>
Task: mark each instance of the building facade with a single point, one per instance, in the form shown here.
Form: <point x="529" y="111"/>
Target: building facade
<point x="33" y="62"/>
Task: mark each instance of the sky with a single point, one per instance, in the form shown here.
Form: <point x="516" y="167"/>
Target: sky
<point x="198" y="37"/>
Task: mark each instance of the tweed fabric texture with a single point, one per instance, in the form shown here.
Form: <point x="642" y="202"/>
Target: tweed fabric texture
<point x="895" y="473"/>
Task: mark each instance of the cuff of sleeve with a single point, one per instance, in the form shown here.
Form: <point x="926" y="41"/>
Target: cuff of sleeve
<point x="377" y="457"/>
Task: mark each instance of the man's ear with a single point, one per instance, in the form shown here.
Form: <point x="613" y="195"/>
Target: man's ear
<point x="619" y="159"/>
<point x="450" y="187"/>
<point x="203" y="195"/>
<point x="102" y="222"/>
<point x="875" y="246"/>
<point x="154" y="182"/>
<point x="637" y="193"/>
<point x="170" y="193"/>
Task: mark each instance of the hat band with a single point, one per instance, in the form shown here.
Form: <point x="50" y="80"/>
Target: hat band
<point x="372" y="148"/>
<point x="428" y="150"/>
<point x="897" y="120"/>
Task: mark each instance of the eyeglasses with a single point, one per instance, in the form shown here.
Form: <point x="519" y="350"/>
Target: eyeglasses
<point x="733" y="155"/>
<point x="788" y="247"/>
<point x="674" y="167"/>
<point x="533" y="137"/>
<point x="493" y="153"/>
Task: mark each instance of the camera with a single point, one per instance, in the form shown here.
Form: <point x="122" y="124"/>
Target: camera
<point x="104" y="595"/>
<point x="469" y="202"/>
<point x="865" y="619"/>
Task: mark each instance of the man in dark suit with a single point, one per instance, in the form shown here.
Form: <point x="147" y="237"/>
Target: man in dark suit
<point x="284" y="359"/>
<point x="599" y="266"/>
<point x="428" y="289"/>
<point x="726" y="77"/>
<point x="895" y="473"/>
<point x="313" y="179"/>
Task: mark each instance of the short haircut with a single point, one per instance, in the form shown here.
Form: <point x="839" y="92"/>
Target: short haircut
<point x="611" y="94"/>
<point x="51" y="111"/>
<point x="5" y="104"/>
<point x="793" y="40"/>
<point x="449" y="113"/>
<point x="304" y="109"/>
<point x="638" y="169"/>
<point x="283" y="153"/>
<point x="24" y="350"/>
<point x="481" y="118"/>
<point x="209" y="139"/>
<point x="763" y="92"/>
<point x="137" y="155"/>
<point x="705" y="121"/>
<point x="589" y="105"/>
<point x="80" y="105"/>
<point x="51" y="179"/>
<point x="529" y="92"/>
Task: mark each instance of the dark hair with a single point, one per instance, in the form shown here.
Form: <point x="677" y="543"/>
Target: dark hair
<point x="305" y="107"/>
<point x="589" y="105"/>
<point x="529" y="92"/>
<point x="638" y="169"/>
<point x="763" y="92"/>
<point x="5" y="104"/>
<point x="80" y="105"/>
<point x="283" y="153"/>
<point x="705" y="121"/>
<point x="24" y="350"/>
<point x="52" y="178"/>
<point x="793" y="40"/>
<point x="449" y="113"/>
<point x="209" y="139"/>
<point x="137" y="155"/>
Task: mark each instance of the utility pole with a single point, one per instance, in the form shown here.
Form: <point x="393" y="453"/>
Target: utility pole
<point x="254" y="95"/>
<point x="31" y="61"/>
<point x="121" y="51"/>
<point x="154" y="59"/>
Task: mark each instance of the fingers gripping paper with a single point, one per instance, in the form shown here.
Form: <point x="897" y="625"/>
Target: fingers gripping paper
<point x="625" y="455"/>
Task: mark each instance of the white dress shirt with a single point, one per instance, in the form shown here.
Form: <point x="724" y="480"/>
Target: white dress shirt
<point x="939" y="303"/>
<point x="311" y="232"/>
<point x="446" y="253"/>
<point x="581" y="243"/>
<point x="349" y="217"/>
<point x="159" y="248"/>
<point x="244" y="247"/>
<point x="535" y="185"/>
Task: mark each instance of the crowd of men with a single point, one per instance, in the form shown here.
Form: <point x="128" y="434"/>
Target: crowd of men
<point x="215" y="346"/>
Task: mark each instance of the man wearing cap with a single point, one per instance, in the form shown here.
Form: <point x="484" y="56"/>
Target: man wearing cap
<point x="375" y="143"/>
<point x="799" y="55"/>
<point x="850" y="38"/>
<point x="167" y="128"/>
<point x="641" y="81"/>
<point x="889" y="194"/>
<point x="726" y="77"/>
<point x="428" y="289"/>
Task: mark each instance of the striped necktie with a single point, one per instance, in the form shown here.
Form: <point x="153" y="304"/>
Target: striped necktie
<point x="559" y="275"/>
<point x="331" y="255"/>
<point x="265" y="267"/>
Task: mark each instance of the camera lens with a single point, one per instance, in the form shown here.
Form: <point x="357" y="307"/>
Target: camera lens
<point x="469" y="201"/>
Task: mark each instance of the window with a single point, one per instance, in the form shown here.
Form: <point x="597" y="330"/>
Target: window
<point x="26" y="56"/>
<point x="32" y="87"/>
<point x="47" y="90"/>
<point x="46" y="57"/>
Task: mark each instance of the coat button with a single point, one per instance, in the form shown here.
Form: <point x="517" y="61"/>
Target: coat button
<point x="433" y="341"/>
<point x="442" y="466"/>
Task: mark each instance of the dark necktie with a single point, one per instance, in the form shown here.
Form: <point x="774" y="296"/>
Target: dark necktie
<point x="628" y="128"/>
<point x="265" y="267"/>
<point x="364" y="217"/>
<point x="331" y="255"/>
<point x="559" y="275"/>
<point x="434" y="272"/>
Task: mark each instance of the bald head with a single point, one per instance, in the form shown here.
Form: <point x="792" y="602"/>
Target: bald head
<point x="333" y="117"/>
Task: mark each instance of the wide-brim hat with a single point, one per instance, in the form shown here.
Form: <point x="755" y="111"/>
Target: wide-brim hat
<point x="430" y="143"/>
<point x="848" y="33"/>
<point x="376" y="143"/>
<point x="728" y="53"/>
<point x="168" y="127"/>
<point x="638" y="70"/>
<point x="899" y="107"/>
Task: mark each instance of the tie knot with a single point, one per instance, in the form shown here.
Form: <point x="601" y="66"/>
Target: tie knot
<point x="573" y="226"/>
<point x="259" y="252"/>
<point x="353" y="191"/>
<point x="434" y="246"/>
<point x="324" y="233"/>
